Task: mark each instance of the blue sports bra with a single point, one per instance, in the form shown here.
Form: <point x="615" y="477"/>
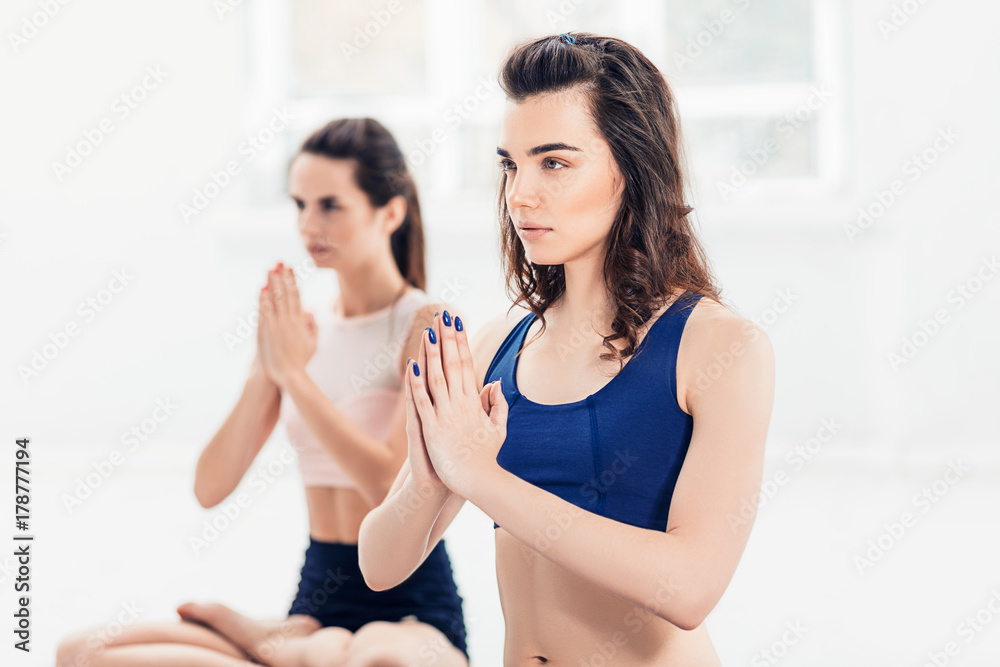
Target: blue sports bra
<point x="616" y="453"/>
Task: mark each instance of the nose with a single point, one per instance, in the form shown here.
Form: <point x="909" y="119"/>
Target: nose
<point x="309" y="221"/>
<point x="521" y="192"/>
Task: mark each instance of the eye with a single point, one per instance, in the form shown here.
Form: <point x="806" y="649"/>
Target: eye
<point x="550" y="160"/>
<point x="506" y="165"/>
<point x="329" y="206"/>
<point x="299" y="204"/>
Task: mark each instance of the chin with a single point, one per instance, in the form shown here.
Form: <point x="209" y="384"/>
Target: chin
<point x="546" y="256"/>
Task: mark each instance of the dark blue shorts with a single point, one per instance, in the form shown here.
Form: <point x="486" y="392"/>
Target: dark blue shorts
<point x="333" y="591"/>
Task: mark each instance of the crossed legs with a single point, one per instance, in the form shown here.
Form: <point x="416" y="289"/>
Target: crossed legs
<point x="213" y="635"/>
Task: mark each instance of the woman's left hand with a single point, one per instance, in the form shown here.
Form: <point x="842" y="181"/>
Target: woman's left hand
<point x="289" y="334"/>
<point x="461" y="435"/>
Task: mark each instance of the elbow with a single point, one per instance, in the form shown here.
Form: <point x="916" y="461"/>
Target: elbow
<point x="689" y="620"/>
<point x="690" y="614"/>
<point x="367" y="566"/>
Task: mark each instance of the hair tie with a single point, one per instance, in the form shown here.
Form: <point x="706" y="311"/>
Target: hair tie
<point x="568" y="38"/>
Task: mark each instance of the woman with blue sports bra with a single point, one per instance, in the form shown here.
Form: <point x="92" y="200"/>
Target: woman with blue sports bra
<point x="613" y="428"/>
<point x="333" y="380"/>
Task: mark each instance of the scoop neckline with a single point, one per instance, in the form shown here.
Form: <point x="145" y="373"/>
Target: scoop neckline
<point x="638" y="348"/>
<point x="368" y="317"/>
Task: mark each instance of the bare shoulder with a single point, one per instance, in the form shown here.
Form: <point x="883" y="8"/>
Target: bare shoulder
<point x="487" y="339"/>
<point x="716" y="343"/>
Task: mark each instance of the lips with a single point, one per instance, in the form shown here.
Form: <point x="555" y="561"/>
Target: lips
<point x="524" y="226"/>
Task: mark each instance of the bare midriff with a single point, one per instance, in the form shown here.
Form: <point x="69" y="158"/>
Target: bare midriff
<point x="335" y="514"/>
<point x="553" y="617"/>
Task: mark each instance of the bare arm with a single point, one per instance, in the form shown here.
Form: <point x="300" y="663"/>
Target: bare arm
<point x="680" y="573"/>
<point x="227" y="456"/>
<point x="397" y="536"/>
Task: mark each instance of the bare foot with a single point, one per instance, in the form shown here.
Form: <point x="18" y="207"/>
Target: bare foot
<point x="258" y="639"/>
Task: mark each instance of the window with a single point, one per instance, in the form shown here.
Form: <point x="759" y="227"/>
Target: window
<point x="759" y="87"/>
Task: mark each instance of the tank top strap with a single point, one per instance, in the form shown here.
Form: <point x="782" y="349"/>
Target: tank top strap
<point x="505" y="359"/>
<point x="654" y="364"/>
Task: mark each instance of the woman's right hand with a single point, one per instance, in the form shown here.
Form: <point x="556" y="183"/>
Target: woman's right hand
<point x="420" y="462"/>
<point x="257" y="369"/>
<point x="421" y="467"/>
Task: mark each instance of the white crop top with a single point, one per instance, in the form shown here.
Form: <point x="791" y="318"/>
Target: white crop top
<point x="356" y="366"/>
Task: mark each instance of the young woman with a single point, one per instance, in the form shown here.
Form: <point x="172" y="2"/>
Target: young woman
<point x="620" y="501"/>
<point x="335" y="381"/>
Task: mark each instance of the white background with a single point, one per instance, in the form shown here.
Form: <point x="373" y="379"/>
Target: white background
<point x="849" y="303"/>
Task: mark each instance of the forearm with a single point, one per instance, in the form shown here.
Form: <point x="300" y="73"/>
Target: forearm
<point x="393" y="537"/>
<point x="367" y="460"/>
<point x="229" y="453"/>
<point x="648" y="568"/>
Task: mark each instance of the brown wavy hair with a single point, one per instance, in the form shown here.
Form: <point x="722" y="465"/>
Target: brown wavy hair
<point x="381" y="172"/>
<point x="652" y="248"/>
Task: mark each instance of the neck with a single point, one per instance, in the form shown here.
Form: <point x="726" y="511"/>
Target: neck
<point x="369" y="287"/>
<point x="586" y="303"/>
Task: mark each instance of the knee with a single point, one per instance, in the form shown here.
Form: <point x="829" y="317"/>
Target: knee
<point x="375" y="644"/>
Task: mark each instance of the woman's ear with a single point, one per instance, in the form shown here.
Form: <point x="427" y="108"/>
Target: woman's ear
<point x="393" y="214"/>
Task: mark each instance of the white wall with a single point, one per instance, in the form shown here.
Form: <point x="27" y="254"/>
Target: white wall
<point x="162" y="336"/>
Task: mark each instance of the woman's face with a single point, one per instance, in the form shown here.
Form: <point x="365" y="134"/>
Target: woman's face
<point x="560" y="176"/>
<point x="338" y="224"/>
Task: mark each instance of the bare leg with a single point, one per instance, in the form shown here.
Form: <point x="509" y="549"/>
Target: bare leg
<point x="270" y="642"/>
<point x="150" y="644"/>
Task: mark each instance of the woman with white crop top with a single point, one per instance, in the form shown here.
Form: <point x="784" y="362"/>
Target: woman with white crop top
<point x="333" y="379"/>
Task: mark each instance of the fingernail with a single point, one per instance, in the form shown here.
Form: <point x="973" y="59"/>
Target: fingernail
<point x="447" y="319"/>
<point x="433" y="337"/>
<point x="458" y="323"/>
<point x="280" y="265"/>
<point x="416" y="369"/>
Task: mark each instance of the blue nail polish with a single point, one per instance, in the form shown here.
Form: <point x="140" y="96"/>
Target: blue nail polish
<point x="433" y="337"/>
<point x="416" y="369"/>
<point x="446" y="318"/>
<point x="458" y="323"/>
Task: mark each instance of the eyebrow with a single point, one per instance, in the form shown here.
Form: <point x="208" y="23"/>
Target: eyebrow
<point x="544" y="148"/>
<point x="327" y="198"/>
